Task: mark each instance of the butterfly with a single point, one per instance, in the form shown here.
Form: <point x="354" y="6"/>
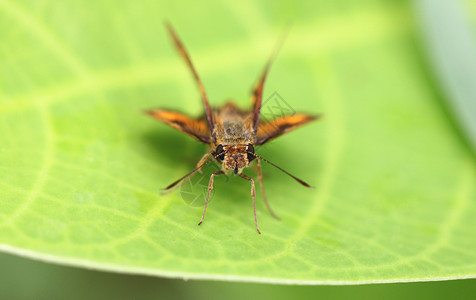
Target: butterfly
<point x="231" y="133"/>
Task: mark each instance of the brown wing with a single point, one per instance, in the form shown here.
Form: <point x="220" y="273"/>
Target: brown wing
<point x="197" y="129"/>
<point x="181" y="49"/>
<point x="270" y="130"/>
<point x="257" y="96"/>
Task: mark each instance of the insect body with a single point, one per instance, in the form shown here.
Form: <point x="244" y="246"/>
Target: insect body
<point x="231" y="133"/>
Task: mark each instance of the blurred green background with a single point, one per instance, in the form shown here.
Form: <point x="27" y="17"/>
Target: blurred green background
<point x="24" y="279"/>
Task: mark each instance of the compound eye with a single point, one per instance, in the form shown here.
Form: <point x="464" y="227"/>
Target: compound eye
<point x="250" y="151"/>
<point x="220" y="152"/>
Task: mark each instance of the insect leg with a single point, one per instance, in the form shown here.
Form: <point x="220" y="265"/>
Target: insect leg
<point x="252" y="196"/>
<point x="210" y="188"/>
<point x="260" y="179"/>
<point x="202" y="160"/>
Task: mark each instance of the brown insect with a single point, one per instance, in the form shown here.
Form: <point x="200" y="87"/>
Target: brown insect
<point x="231" y="133"/>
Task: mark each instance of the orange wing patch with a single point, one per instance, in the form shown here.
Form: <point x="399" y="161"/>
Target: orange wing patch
<point x="270" y="130"/>
<point x="197" y="129"/>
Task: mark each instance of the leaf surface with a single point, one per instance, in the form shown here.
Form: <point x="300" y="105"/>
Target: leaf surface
<point x="81" y="167"/>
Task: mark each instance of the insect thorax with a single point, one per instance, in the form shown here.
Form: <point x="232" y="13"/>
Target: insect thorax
<point x="233" y="126"/>
<point x="235" y="138"/>
<point x="233" y="132"/>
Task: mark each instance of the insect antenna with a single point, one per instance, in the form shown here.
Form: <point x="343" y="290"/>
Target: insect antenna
<point x="295" y="178"/>
<point x="215" y="155"/>
<point x="186" y="175"/>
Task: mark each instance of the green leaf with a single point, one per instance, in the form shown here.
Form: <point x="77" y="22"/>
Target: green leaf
<point x="81" y="167"/>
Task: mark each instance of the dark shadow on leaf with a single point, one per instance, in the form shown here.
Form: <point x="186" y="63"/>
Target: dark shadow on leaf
<point x="172" y="148"/>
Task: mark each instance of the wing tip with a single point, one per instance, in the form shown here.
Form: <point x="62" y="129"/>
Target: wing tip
<point x="316" y="117"/>
<point x="148" y="112"/>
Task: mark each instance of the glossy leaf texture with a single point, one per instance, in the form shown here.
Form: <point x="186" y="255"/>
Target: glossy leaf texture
<point x="81" y="167"/>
